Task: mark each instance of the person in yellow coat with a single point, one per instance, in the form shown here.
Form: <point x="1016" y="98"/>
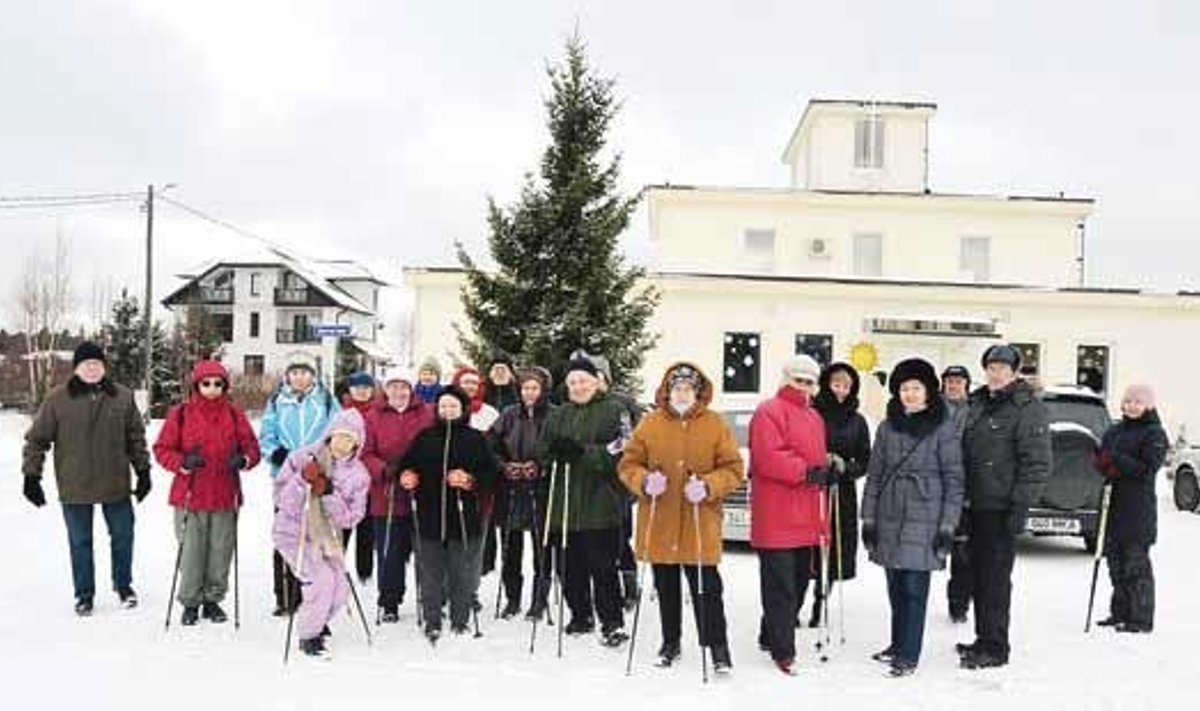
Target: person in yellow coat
<point x="681" y="462"/>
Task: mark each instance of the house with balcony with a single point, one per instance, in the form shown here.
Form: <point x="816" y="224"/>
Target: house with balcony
<point x="269" y="303"/>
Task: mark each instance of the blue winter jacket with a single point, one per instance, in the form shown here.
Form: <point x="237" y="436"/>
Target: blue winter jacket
<point x="293" y="420"/>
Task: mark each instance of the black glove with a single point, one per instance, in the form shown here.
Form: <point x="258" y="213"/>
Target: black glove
<point x="821" y="476"/>
<point x="237" y="462"/>
<point x="1016" y="521"/>
<point x="870" y="534"/>
<point x="33" y="491"/>
<point x="192" y="462"/>
<point x="943" y="540"/>
<point x="278" y="456"/>
<point x="142" y="489"/>
<point x="566" y="449"/>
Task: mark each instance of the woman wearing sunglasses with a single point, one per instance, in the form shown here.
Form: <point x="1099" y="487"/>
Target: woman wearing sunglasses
<point x="206" y="441"/>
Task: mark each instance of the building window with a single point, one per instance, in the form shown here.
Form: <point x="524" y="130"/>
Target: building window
<point x="975" y="258"/>
<point x="1091" y="368"/>
<point x="868" y="255"/>
<point x="868" y="142"/>
<point x="759" y="242"/>
<point x="1031" y="361"/>
<point x="742" y="367"/>
<point x="253" y="366"/>
<point x="255" y="286"/>
<point x="223" y="325"/>
<point x="818" y="346"/>
<point x="254" y="324"/>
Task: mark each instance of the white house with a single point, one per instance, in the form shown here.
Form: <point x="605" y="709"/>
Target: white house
<point x="268" y="304"/>
<point x="859" y="259"/>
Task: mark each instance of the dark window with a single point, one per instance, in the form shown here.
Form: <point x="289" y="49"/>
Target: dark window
<point x="254" y="324"/>
<point x="223" y="325"/>
<point x="1091" y="368"/>
<point x="253" y="365"/>
<point x="818" y="346"/>
<point x="255" y="278"/>
<point x="742" y="367"/>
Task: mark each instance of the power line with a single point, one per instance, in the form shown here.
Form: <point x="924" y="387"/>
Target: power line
<point x="195" y="212"/>
<point x="83" y="197"/>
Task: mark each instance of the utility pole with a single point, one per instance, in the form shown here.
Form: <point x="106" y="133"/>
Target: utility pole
<point x="149" y="303"/>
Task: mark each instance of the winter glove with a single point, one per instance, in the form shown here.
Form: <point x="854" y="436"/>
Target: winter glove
<point x="514" y="471"/>
<point x="237" y="462"/>
<point x="33" y="491"/>
<point x="531" y="470"/>
<point x="410" y="480"/>
<point x="819" y="476"/>
<point x="566" y="449"/>
<point x="943" y="540"/>
<point x="278" y="456"/>
<point x="695" y="490"/>
<point x="192" y="461"/>
<point x="315" y="478"/>
<point x="837" y="464"/>
<point x="1107" y="466"/>
<point x="1016" y="522"/>
<point x="142" y="488"/>
<point x="459" y="479"/>
<point x="870" y="534"/>
<point x="654" y="484"/>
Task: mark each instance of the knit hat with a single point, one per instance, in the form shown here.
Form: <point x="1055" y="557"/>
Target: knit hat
<point x="917" y="369"/>
<point x="537" y="374"/>
<point x="603" y="368"/>
<point x="1002" y="353"/>
<point x="583" y="364"/>
<point x="398" y="375"/>
<point x="801" y="366"/>
<point x="431" y="364"/>
<point x="88" y="350"/>
<point x="301" y="360"/>
<point x="957" y="371"/>
<point x="1141" y="393"/>
<point x="684" y="373"/>
<point x="361" y="379"/>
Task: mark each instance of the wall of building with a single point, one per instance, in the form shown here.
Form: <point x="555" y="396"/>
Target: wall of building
<point x="826" y="156"/>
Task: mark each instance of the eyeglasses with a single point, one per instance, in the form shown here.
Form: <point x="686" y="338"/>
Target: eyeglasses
<point x="212" y="384"/>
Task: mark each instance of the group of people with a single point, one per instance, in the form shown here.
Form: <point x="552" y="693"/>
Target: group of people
<point x="450" y="474"/>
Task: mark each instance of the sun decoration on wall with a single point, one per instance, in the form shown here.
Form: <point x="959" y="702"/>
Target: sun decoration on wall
<point x="864" y="356"/>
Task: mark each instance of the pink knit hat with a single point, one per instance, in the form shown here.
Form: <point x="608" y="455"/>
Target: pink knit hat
<point x="1141" y="393"/>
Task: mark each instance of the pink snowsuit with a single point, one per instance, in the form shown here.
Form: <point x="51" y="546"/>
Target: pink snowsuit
<point x="322" y="572"/>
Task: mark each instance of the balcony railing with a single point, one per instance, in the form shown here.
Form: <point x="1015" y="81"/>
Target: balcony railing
<point x="294" y="336"/>
<point x="214" y="295"/>
<point x="292" y="297"/>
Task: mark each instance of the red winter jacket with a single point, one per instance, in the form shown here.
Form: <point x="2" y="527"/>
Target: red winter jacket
<point x="389" y="435"/>
<point x="787" y="437"/>
<point x="214" y="429"/>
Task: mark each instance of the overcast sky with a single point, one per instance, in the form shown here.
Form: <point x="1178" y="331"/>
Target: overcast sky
<point x="376" y="129"/>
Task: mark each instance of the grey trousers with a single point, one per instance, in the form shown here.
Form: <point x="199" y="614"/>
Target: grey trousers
<point x="447" y="570"/>
<point x="207" y="551"/>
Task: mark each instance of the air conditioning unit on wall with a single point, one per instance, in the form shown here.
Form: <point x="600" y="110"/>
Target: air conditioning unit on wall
<point x="820" y="248"/>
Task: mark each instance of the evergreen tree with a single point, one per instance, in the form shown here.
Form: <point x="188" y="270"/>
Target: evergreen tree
<point x="125" y="341"/>
<point x="560" y="283"/>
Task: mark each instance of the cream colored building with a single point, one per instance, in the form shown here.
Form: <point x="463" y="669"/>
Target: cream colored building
<point x="858" y="256"/>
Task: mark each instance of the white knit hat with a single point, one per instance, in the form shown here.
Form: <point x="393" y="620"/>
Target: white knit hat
<point x="398" y="374"/>
<point x="801" y="366"/>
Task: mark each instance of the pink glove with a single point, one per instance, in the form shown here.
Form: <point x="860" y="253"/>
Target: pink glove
<point x="655" y="484"/>
<point x="695" y="490"/>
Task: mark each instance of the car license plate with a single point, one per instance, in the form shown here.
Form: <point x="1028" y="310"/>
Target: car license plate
<point x="735" y="517"/>
<point x="1044" y="524"/>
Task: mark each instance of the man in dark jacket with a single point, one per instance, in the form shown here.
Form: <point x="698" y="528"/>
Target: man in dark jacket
<point x="956" y="389"/>
<point x="97" y="434"/>
<point x="1006" y="452"/>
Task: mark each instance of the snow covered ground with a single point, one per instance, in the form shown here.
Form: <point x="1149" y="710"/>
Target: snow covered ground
<point x="123" y="659"/>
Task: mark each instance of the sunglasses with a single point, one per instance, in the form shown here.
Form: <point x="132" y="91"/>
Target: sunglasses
<point x="212" y="384"/>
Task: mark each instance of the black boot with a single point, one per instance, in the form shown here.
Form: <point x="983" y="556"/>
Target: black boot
<point x="391" y="614"/>
<point x="511" y="609"/>
<point x="668" y="654"/>
<point x="128" y="597"/>
<point x="982" y="659"/>
<point x="1109" y="621"/>
<point x="83" y="607"/>
<point x="212" y="612"/>
<point x="613" y="636"/>
<point x="315" y="647"/>
<point x="580" y="626"/>
<point x="630" y="585"/>
<point x="190" y="616"/>
<point x="722" y="662"/>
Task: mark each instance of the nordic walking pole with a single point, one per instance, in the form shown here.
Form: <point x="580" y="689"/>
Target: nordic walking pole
<point x="637" y="608"/>
<point x="387" y="543"/>
<point x="462" y="528"/>
<point x="1105" y="501"/>
<point x="187" y="512"/>
<point x="545" y="544"/>
<point x="505" y="539"/>
<point x="287" y="640"/>
<point x="337" y="541"/>
<point x="700" y="593"/>
<point x="566" y="512"/>
<point x="823" y="636"/>
<point x="416" y="541"/>
<point x="837" y="539"/>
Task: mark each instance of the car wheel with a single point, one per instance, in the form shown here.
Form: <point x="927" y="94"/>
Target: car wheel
<point x="1187" y="489"/>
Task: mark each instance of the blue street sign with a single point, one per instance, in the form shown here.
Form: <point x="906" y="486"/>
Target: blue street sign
<point x="332" y="330"/>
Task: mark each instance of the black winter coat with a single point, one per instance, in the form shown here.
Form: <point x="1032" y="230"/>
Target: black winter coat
<point x="437" y="504"/>
<point x="1137" y="449"/>
<point x="1006" y="449"/>
<point x="515" y="439"/>
<point x="847" y="435"/>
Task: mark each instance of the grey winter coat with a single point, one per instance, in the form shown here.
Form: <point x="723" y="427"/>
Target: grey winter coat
<point x="914" y="488"/>
<point x="1006" y="449"/>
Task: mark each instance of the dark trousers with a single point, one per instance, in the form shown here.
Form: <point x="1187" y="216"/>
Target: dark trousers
<point x="958" y="589"/>
<point x="992" y="553"/>
<point x="626" y="562"/>
<point x="782" y="574"/>
<point x="590" y="576"/>
<point x="1132" y="579"/>
<point x="514" y="555"/>
<point x="393" y="562"/>
<point x="908" y="593"/>
<point x="364" y="546"/>
<point x="670" y="603"/>
<point x="448" y="570"/>
<point x="118" y="517"/>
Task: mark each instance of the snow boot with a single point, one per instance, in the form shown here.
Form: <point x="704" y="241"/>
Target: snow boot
<point x="315" y="648"/>
<point x="982" y="659"/>
<point x="511" y="609"/>
<point x="128" y="597"/>
<point x="964" y="649"/>
<point x="721" y="661"/>
<point x="433" y="632"/>
<point x="900" y="669"/>
<point x="391" y="614"/>
<point x="580" y="626"/>
<point x="458" y="628"/>
<point x="190" y="616"/>
<point x="613" y="637"/>
<point x="1134" y="627"/>
<point x="786" y="666"/>
<point x="668" y="654"/>
<point x="629" y="584"/>
<point x="1109" y="622"/>
<point x="212" y="612"/>
<point x="885" y="656"/>
<point x="83" y="607"/>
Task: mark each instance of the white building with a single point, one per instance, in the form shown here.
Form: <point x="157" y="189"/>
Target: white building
<point x="860" y="260"/>
<point x="269" y="304"/>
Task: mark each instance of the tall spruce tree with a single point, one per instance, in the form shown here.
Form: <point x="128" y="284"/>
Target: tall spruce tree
<point x="125" y="339"/>
<point x="560" y="283"/>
